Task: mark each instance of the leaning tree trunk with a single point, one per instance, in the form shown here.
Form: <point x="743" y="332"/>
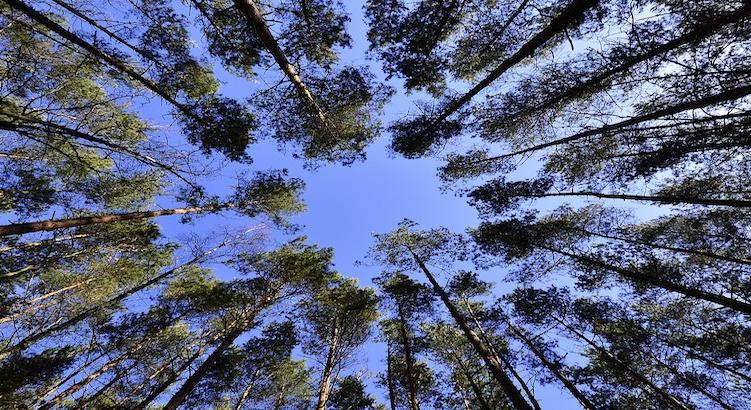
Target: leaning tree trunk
<point x="390" y="377"/>
<point x="248" y="389"/>
<point x="698" y="33"/>
<point x="52" y="224"/>
<point x="505" y="361"/>
<point x="731" y="94"/>
<point x="665" y="397"/>
<point x="410" y="362"/>
<point x="654" y="280"/>
<point x="491" y="361"/>
<point x="179" y="397"/>
<point x="552" y="367"/>
<point x="29" y="340"/>
<point x="253" y="14"/>
<point x="111" y="60"/>
<point x="482" y="403"/>
<point x="328" y="369"/>
<point x="560" y="23"/>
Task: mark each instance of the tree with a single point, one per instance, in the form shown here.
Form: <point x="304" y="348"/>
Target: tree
<point x="339" y="320"/>
<point x="404" y="249"/>
<point x="409" y="380"/>
<point x="267" y="193"/>
<point x="350" y="394"/>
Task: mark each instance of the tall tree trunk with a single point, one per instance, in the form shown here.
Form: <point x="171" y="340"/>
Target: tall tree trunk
<point x="26" y="245"/>
<point x="164" y="385"/>
<point x="184" y="391"/>
<point x="694" y="252"/>
<point x="52" y="224"/>
<point x="410" y="364"/>
<point x="253" y="14"/>
<point x="390" y="377"/>
<point x="552" y="367"/>
<point x="572" y="13"/>
<point x="724" y="96"/>
<point x="662" y="199"/>
<point x="328" y="369"/>
<point x="690" y="383"/>
<point x="656" y="281"/>
<point x="131" y="72"/>
<point x="506" y="362"/>
<point x="665" y="397"/>
<point x="32" y="304"/>
<point x="473" y="384"/>
<point x="247" y="390"/>
<point x="29" y="340"/>
<point x="491" y="361"/>
<point x="700" y="32"/>
<point x="53" y="128"/>
<point x="128" y="354"/>
<point x="50" y="391"/>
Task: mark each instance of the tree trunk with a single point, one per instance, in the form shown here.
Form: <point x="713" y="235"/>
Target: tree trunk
<point x="73" y="388"/>
<point x="690" y="383"/>
<point x="694" y="252"/>
<point x="25" y="245"/>
<point x="570" y="14"/>
<point x="328" y="369"/>
<point x="390" y="377"/>
<point x="724" y="96"/>
<point x="29" y="340"/>
<point x="52" y="224"/>
<point x="179" y="397"/>
<point x="253" y="14"/>
<point x="505" y="361"/>
<point x="637" y="276"/>
<point x="473" y="384"/>
<point x="31" y="304"/>
<point x="662" y="199"/>
<point x="56" y="28"/>
<point x="665" y="397"/>
<point x="248" y="389"/>
<point x="409" y="359"/>
<point x="552" y="368"/>
<point x="162" y="387"/>
<point x="491" y="361"/>
<point x="697" y="34"/>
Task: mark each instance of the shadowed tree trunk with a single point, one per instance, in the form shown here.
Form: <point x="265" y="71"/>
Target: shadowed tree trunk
<point x="192" y="381"/>
<point x="389" y="377"/>
<point x="51" y="25"/>
<point x="552" y="367"/>
<point x="409" y="359"/>
<point x="699" y="33"/>
<point x="491" y="361"/>
<point x="473" y="384"/>
<point x="724" y="96"/>
<point x="570" y="14"/>
<point x="665" y="397"/>
<point x="654" y="280"/>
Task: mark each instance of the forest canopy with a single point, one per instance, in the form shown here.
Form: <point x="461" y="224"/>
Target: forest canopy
<point x="166" y="167"/>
